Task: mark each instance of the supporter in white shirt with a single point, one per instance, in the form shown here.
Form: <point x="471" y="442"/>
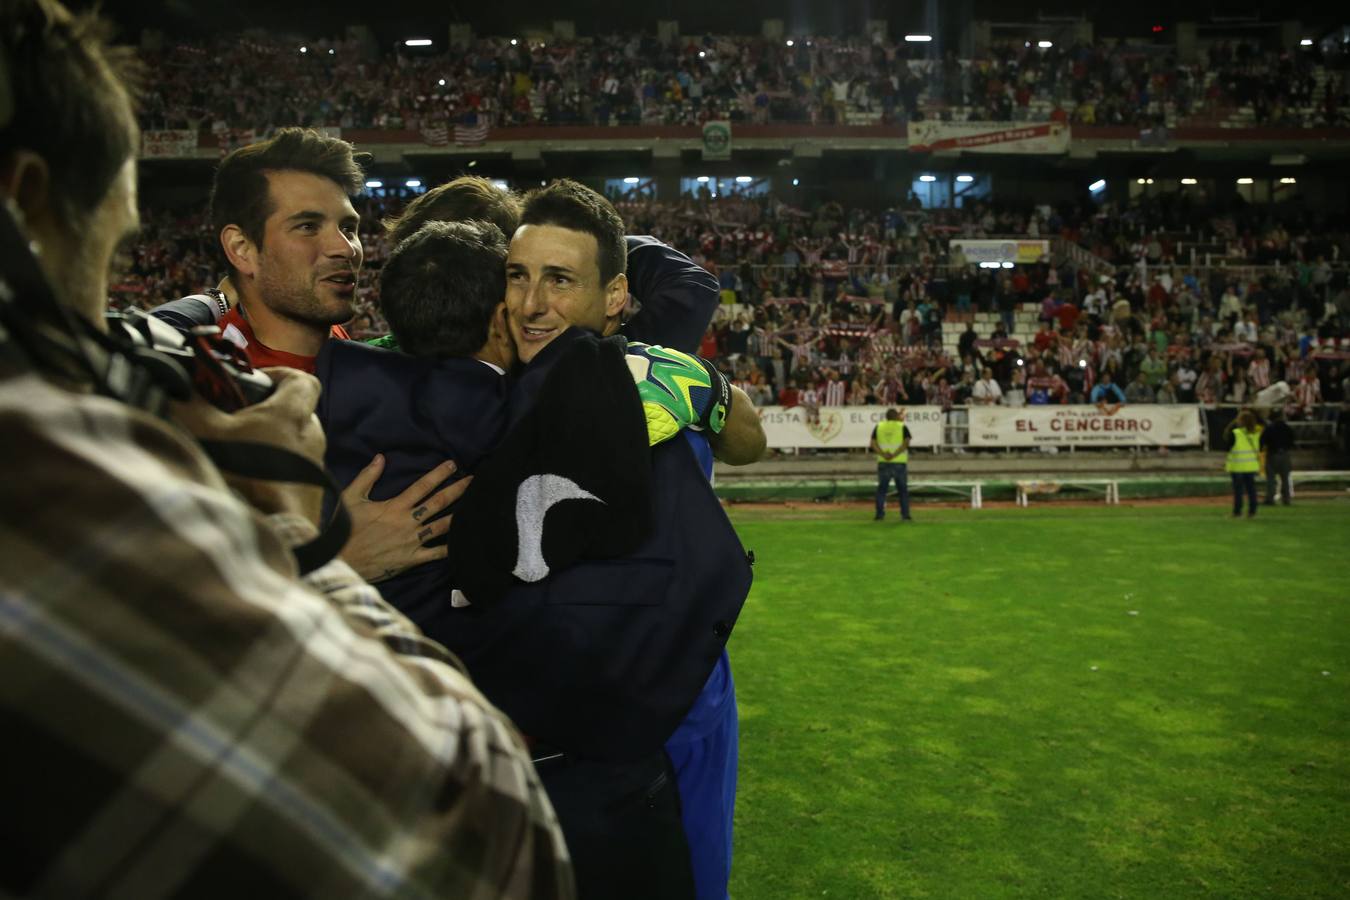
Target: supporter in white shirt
<point x="1245" y="331"/>
<point x="986" y="391"/>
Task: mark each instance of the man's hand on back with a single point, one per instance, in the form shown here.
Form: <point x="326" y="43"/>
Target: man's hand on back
<point x="388" y="536"/>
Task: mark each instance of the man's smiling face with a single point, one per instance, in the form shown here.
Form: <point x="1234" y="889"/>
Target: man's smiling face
<point x="553" y="281"/>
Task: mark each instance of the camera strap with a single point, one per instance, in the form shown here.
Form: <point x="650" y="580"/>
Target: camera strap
<point x="268" y="463"/>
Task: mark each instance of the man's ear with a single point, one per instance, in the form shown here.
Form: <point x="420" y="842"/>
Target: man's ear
<point x="616" y="296"/>
<point x="26" y="179"/>
<point x="239" y="250"/>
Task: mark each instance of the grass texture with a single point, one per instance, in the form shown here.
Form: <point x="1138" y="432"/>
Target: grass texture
<point x="1139" y="701"/>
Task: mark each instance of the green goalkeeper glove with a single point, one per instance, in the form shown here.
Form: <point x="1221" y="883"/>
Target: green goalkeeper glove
<point x="678" y="390"/>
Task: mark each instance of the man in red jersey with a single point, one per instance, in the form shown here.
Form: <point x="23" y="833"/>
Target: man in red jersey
<point x="283" y="213"/>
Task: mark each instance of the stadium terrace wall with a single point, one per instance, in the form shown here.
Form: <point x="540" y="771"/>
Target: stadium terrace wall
<point x="1309" y="141"/>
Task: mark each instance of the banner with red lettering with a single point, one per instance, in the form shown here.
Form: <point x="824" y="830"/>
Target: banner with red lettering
<point x="989" y="137"/>
<point x="1128" y="425"/>
<point x="180" y="144"/>
<point x="844" y="426"/>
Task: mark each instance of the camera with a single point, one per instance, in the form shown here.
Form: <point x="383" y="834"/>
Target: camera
<point x="139" y="360"/>
<point x="202" y="361"/>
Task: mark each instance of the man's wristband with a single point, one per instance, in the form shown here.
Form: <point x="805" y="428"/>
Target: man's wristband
<point x="714" y="417"/>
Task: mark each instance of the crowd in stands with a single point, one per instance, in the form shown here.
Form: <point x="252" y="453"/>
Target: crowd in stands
<point x="835" y="306"/>
<point x="259" y="82"/>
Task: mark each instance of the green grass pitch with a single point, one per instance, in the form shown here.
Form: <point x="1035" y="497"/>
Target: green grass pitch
<point x="1064" y="701"/>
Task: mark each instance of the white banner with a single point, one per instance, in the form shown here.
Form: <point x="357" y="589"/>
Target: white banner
<point x="845" y="426"/>
<point x="1131" y="424"/>
<point x="159" y="144"/>
<point x="996" y="251"/>
<point x="989" y="137"/>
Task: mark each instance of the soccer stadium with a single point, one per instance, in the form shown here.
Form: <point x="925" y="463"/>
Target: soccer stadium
<point x="1042" y="311"/>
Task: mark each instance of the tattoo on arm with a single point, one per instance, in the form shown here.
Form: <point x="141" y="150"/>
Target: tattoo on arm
<point x="419" y="513"/>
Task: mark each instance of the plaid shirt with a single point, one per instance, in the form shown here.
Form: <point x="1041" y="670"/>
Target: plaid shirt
<point x="183" y="715"/>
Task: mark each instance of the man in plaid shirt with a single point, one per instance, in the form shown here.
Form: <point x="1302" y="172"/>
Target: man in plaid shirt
<point x="183" y="714"/>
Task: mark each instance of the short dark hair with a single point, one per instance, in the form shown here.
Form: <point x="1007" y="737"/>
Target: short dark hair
<point x="73" y="100"/>
<point x="240" y="194"/>
<point x="440" y="287"/>
<point x="469" y="197"/>
<point x="568" y="204"/>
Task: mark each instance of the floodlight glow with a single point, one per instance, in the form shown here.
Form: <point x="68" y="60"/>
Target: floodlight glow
<point x="374" y="183"/>
<point x="796" y="182"/>
<point x="304" y="49"/>
<point x="1007" y="265"/>
<point x="918" y="38"/>
<point x="413" y="183"/>
<point x="1082" y="364"/>
<point x="417" y="42"/>
<point x="514" y="42"/>
<point x="1139" y="181"/>
<point x="701" y="54"/>
<point x="965" y="179"/>
<point x="1189" y="181"/>
<point x="441" y="82"/>
<point x="1021" y="362"/>
<point x="1288" y="181"/>
<point x="1148" y="181"/>
<point x="1245" y="181"/>
<point x="331" y="51"/>
<point x="927" y="178"/>
<point x="1306" y="42"/>
<point x="743" y="179"/>
<point x="1045" y="45"/>
<point x="631" y="179"/>
<point x="789" y="42"/>
<point x="702" y="179"/>
<point x="1097" y="185"/>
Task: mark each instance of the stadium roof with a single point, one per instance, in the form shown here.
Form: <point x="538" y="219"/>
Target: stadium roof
<point x="391" y="19"/>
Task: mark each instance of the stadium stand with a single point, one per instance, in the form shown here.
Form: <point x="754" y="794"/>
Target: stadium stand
<point x="634" y="79"/>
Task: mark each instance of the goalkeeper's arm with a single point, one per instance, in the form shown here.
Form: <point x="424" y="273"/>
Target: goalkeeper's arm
<point x="679" y="390"/>
<point x="741" y="441"/>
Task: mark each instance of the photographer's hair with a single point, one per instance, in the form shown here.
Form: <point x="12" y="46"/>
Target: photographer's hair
<point x="440" y="288"/>
<point x="567" y="204"/>
<point x="240" y="195"/>
<point x="71" y="99"/>
<point x="466" y="198"/>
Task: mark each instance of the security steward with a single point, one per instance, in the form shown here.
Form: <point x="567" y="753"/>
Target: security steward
<point x="890" y="442"/>
<point x="1244" y="459"/>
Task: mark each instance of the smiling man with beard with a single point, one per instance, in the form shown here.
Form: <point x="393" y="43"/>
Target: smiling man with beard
<point x="287" y="228"/>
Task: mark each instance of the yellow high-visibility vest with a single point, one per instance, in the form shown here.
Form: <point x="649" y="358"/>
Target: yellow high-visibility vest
<point x="1246" y="452"/>
<point x="890" y="438"/>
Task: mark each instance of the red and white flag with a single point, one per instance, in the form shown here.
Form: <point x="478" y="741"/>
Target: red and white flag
<point x="468" y="135"/>
<point x="436" y="135"/>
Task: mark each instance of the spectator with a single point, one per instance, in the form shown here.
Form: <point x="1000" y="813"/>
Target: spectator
<point x="1170" y="391"/>
<point x="1139" y="391"/>
<point x="987" y="391"/>
<point x="1106" y="392"/>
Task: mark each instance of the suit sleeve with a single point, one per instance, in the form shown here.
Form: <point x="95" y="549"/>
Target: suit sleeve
<point x="678" y="296"/>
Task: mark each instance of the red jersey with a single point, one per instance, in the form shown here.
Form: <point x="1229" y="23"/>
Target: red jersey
<point x="236" y="329"/>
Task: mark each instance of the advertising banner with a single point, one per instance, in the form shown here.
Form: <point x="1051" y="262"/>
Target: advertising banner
<point x="717" y="140"/>
<point x="1084" y="426"/>
<point x="997" y="251"/>
<point x="989" y="137"/>
<point x="845" y="426"/>
<point x="164" y="144"/>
